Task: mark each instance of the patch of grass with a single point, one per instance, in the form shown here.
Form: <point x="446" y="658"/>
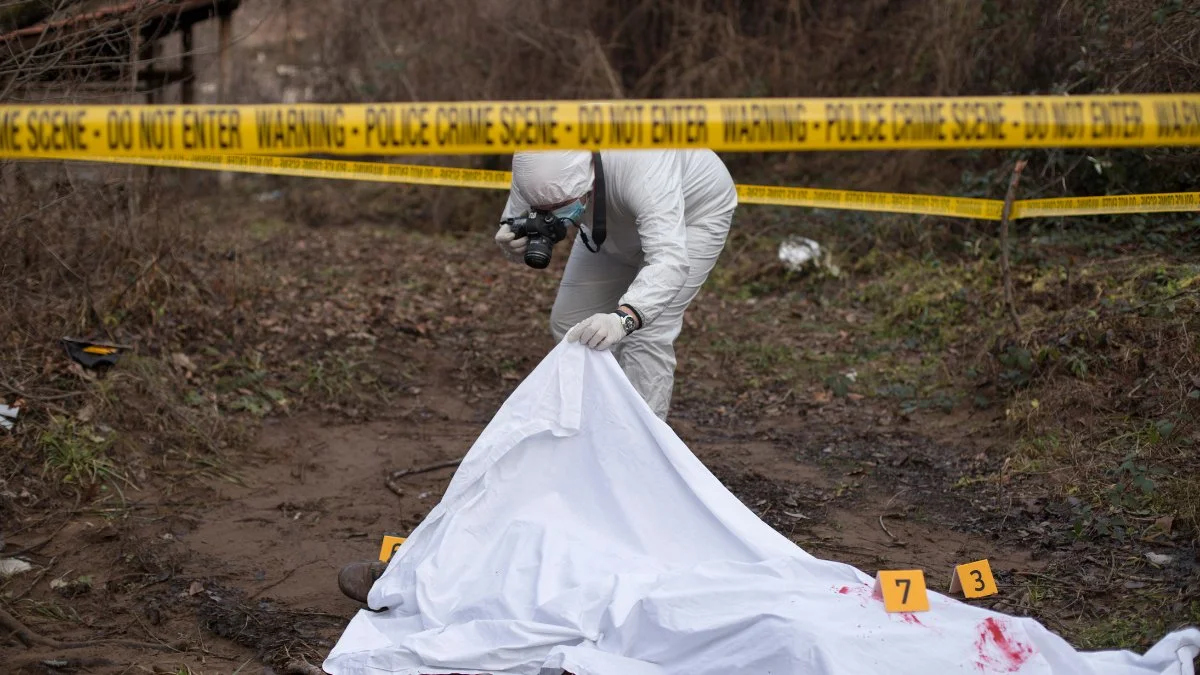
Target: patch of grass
<point x="1107" y="236"/>
<point x="78" y="454"/>
<point x="931" y="304"/>
<point x="207" y="466"/>
<point x="1117" y="469"/>
<point x="51" y="610"/>
<point x="760" y="357"/>
<point x="765" y="362"/>
<point x="1047" y="446"/>
<point x="345" y="378"/>
<point x="919" y="383"/>
<point x="1094" y="385"/>
<point x="265" y="229"/>
<point x="1179" y="495"/>
<point x="1125" y="629"/>
<point x="184" y="411"/>
<point x="238" y="373"/>
<point x="1040" y="592"/>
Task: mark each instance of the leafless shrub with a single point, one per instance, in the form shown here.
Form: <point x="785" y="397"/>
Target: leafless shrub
<point x="88" y="250"/>
<point x="519" y="49"/>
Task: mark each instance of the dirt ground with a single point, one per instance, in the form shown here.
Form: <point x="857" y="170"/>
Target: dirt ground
<point x="353" y="335"/>
<point x="227" y="569"/>
<point x="220" y="572"/>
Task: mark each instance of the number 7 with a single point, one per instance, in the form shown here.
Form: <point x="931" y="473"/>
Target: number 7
<point x="907" y="585"/>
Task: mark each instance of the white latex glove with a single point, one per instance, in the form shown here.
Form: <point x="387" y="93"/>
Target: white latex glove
<point x="598" y="331"/>
<point x="513" y="248"/>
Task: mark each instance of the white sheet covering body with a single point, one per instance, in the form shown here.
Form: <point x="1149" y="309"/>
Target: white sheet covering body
<point x="581" y="534"/>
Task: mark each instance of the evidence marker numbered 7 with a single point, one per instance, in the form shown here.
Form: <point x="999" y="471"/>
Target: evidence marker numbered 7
<point x="902" y="590"/>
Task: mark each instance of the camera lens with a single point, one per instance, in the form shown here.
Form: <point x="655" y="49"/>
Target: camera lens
<point x="537" y="254"/>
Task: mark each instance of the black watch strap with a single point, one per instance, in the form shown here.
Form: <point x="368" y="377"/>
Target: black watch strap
<point x="628" y="322"/>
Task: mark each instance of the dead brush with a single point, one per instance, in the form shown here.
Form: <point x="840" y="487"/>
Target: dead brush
<point x="1104" y="391"/>
<point x="713" y="48"/>
<point x="78" y="262"/>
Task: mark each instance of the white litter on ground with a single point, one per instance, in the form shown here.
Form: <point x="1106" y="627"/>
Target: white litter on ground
<point x="12" y="566"/>
<point x="7" y="415"/>
<point x="799" y="252"/>
<point x="581" y="534"/>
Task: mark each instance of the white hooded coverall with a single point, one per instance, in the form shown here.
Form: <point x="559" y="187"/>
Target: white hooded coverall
<point x="668" y="216"/>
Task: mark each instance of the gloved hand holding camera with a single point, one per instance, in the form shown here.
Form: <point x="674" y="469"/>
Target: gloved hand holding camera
<point x="511" y="246"/>
<point x="532" y="236"/>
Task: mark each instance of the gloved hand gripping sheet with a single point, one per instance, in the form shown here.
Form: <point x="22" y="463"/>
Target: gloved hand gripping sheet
<point x="581" y="534"/>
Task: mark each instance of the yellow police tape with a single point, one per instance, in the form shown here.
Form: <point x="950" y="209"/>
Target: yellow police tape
<point x="502" y="127"/>
<point x="887" y="202"/>
<point x="851" y="200"/>
<point x="1109" y="205"/>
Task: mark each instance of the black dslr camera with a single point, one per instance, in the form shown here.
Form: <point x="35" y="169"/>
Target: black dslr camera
<point x="544" y="230"/>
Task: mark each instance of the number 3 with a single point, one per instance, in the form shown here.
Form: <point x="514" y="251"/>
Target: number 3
<point x="979" y="580"/>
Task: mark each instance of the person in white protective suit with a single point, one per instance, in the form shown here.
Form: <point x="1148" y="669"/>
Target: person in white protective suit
<point x="668" y="214"/>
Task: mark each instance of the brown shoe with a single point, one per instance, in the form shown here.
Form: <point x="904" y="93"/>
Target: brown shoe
<point x="356" y="579"/>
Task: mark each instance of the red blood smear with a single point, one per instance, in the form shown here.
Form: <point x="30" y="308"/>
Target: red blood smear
<point x="909" y="617"/>
<point x="862" y="592"/>
<point x="998" y="651"/>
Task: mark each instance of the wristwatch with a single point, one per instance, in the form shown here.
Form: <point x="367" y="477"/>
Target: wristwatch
<point x="627" y="321"/>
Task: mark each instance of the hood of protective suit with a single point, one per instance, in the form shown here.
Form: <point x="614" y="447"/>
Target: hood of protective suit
<point x="551" y="177"/>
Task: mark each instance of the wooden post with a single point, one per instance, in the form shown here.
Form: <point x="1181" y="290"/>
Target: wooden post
<point x="225" y="75"/>
<point x="224" y="57"/>
<point x="131" y="187"/>
<point x="187" y="87"/>
<point x="149" y="53"/>
<point x="1005" y="270"/>
<point x="135" y="53"/>
<point x="187" y="67"/>
<point x="289" y="41"/>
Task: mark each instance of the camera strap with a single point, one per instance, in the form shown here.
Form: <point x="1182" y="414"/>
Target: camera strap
<point x="598" y="215"/>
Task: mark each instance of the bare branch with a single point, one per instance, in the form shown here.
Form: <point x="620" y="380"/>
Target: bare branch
<point x="1005" y="214"/>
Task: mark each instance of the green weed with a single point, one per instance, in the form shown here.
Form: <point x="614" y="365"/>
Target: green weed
<point x="77" y="454"/>
<point x="345" y="377"/>
<point x="1121" y="630"/>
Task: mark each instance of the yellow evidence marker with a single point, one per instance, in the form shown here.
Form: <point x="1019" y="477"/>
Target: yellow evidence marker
<point x="973" y="579"/>
<point x="387" y="549"/>
<point x="902" y="590"/>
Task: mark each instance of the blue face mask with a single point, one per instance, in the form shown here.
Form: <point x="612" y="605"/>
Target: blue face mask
<point x="572" y="212"/>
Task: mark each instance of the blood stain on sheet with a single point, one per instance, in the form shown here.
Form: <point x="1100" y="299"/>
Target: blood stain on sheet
<point x="911" y="618"/>
<point x="863" y="593"/>
<point x="999" y="652"/>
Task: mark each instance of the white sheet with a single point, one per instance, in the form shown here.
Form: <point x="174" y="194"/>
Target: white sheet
<point x="580" y="533"/>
